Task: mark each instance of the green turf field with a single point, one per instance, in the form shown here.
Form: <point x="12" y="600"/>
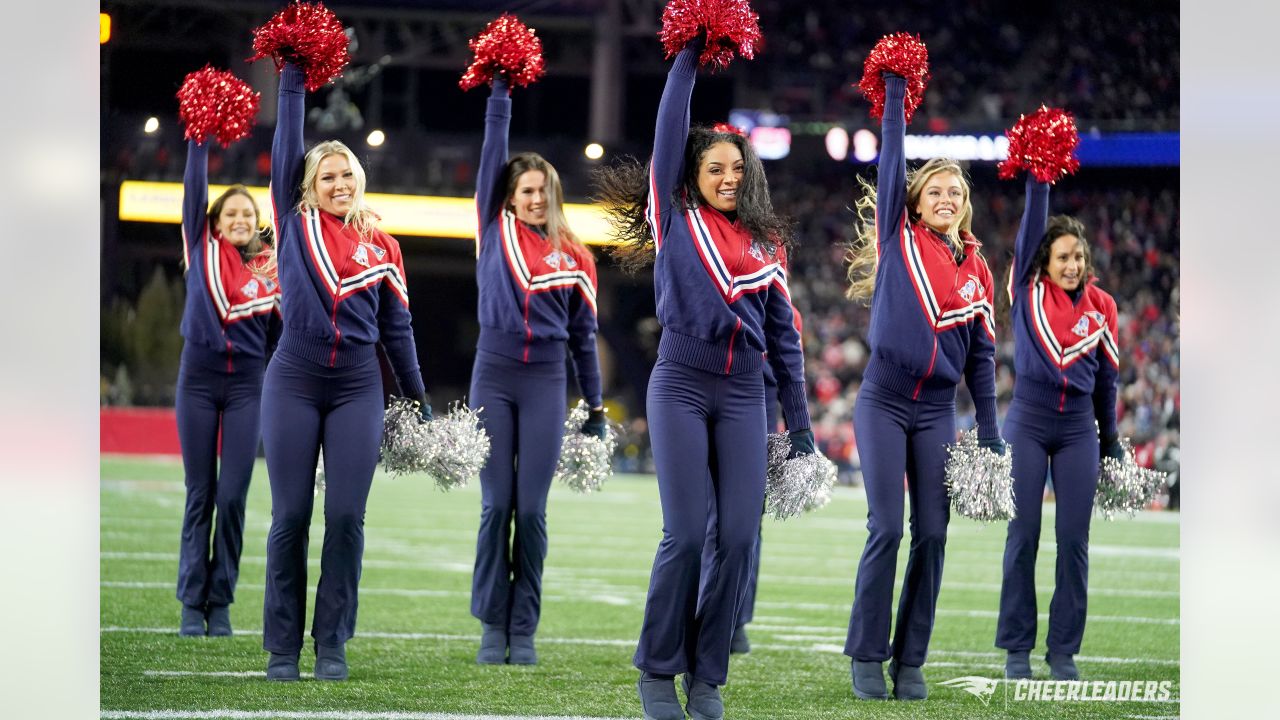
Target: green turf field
<point x="413" y="654"/>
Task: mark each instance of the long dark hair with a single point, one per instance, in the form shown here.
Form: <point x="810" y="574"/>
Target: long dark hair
<point x="623" y="189"/>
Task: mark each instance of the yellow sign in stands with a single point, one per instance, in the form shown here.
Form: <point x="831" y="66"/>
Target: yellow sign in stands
<point x="425" y="215"/>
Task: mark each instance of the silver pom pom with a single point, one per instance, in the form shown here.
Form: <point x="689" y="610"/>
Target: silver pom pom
<point x="319" y="487"/>
<point x="451" y="449"/>
<point x="405" y="445"/>
<point x="798" y="485"/>
<point x="457" y="447"/>
<point x="586" y="461"/>
<point x="979" y="481"/>
<point x="1124" y="486"/>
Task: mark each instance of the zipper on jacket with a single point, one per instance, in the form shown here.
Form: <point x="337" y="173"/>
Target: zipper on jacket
<point x="528" y="331"/>
<point x="932" y="359"/>
<point x="230" y="367"/>
<point x="728" y="363"/>
<point x="1062" y="400"/>
<point x="337" y="334"/>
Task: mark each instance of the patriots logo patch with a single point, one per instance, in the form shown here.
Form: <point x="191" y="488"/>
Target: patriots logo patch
<point x="250" y="289"/>
<point x="967" y="292"/>
<point x="267" y="285"/>
<point x="1082" y="326"/>
<point x="362" y="255"/>
<point x="556" y="257"/>
<point x="754" y="252"/>
<point x="376" y="250"/>
<point x="1097" y="317"/>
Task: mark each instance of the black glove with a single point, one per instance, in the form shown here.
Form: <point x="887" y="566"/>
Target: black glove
<point x="995" y="445"/>
<point x="596" y="424"/>
<point x="801" y="443"/>
<point x="1110" y="447"/>
<point x="424" y="407"/>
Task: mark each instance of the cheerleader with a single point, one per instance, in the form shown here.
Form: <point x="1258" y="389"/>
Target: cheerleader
<point x="343" y="291"/>
<point x="703" y="206"/>
<point x="227" y="320"/>
<point x="930" y="292"/>
<point x="537" y="286"/>
<point x="1063" y="412"/>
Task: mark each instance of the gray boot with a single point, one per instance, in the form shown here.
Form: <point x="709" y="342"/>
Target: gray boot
<point x="908" y="681"/>
<point x="219" y="620"/>
<point x="868" y="680"/>
<point x="192" y="622"/>
<point x="522" y="652"/>
<point x="282" y="667"/>
<point x="658" y="698"/>
<point x="331" y="662"/>
<point x="493" y="645"/>
<point x="703" y="700"/>
<point x="1017" y="665"/>
<point x="1062" y="666"/>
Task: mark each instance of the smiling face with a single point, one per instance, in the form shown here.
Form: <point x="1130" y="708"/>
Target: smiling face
<point x="529" y="199"/>
<point x="237" y="221"/>
<point x="720" y="176"/>
<point x="1067" y="263"/>
<point x="942" y="201"/>
<point x="335" y="186"/>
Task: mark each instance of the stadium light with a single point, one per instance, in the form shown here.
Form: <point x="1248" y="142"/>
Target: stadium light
<point x="594" y="151"/>
<point x="865" y="145"/>
<point x="152" y="125"/>
<point x="104" y="28"/>
<point x="376" y="138"/>
<point x="838" y="143"/>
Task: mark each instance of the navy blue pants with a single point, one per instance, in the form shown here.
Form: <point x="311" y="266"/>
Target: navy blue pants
<point x="896" y="435"/>
<point x="306" y="406"/>
<point x="1067" y="446"/>
<point x="699" y="421"/>
<point x="215" y="404"/>
<point x="524" y="410"/>
<point x="709" y="550"/>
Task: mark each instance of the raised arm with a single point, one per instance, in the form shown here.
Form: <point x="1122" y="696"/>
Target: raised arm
<point x="286" y="147"/>
<point x="1035" y="217"/>
<point x="493" y="154"/>
<point x="669" y="137"/>
<point x="980" y="376"/>
<point x="195" y="200"/>
<point x="891" y="177"/>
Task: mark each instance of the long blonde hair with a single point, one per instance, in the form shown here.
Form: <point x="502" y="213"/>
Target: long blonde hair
<point x="360" y="216"/>
<point x="557" y="226"/>
<point x="861" y="254"/>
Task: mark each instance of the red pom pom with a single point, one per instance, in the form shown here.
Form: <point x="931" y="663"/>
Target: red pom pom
<point x="308" y="35"/>
<point x="508" y="47"/>
<point x="215" y="103"/>
<point x="901" y="54"/>
<point x="1043" y="143"/>
<point x="724" y="127"/>
<point x="731" y="26"/>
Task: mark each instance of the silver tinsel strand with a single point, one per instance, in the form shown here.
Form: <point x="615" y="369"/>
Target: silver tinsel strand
<point x="452" y="449"/>
<point x="798" y="485"/>
<point x="1124" y="486"/>
<point x="586" y="461"/>
<point x="979" y="481"/>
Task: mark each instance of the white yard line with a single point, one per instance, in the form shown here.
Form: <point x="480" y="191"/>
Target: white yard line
<point x="228" y="714"/>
